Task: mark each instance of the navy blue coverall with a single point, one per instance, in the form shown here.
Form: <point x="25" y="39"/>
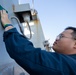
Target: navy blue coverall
<point x="36" y="61"/>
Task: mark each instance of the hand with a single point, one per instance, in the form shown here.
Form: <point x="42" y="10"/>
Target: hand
<point x="4" y="17"/>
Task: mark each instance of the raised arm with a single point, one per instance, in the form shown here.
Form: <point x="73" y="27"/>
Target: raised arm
<point x="34" y="60"/>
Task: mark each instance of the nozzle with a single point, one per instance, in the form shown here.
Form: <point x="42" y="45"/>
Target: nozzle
<point x="1" y="8"/>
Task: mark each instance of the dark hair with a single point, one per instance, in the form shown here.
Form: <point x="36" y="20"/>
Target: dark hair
<point x="74" y="31"/>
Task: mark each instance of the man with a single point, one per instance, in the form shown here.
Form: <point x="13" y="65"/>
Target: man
<point x="40" y="62"/>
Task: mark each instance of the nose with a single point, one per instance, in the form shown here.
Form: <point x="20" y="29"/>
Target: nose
<point x="55" y="40"/>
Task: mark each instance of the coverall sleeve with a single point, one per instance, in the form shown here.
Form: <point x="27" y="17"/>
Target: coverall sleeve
<point x="34" y="60"/>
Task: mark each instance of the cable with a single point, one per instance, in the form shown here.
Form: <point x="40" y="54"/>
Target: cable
<point x="21" y="27"/>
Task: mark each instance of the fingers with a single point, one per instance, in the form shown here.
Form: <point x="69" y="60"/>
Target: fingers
<point x="2" y="12"/>
<point x="4" y="17"/>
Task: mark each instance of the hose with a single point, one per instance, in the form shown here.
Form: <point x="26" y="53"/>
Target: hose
<point x="22" y="28"/>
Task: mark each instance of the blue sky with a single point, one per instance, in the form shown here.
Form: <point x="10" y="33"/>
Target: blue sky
<point x="54" y="15"/>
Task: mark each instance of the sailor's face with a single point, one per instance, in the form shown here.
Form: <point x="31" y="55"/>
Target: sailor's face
<point x="64" y="42"/>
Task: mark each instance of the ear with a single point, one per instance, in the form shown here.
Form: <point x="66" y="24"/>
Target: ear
<point x="74" y="45"/>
